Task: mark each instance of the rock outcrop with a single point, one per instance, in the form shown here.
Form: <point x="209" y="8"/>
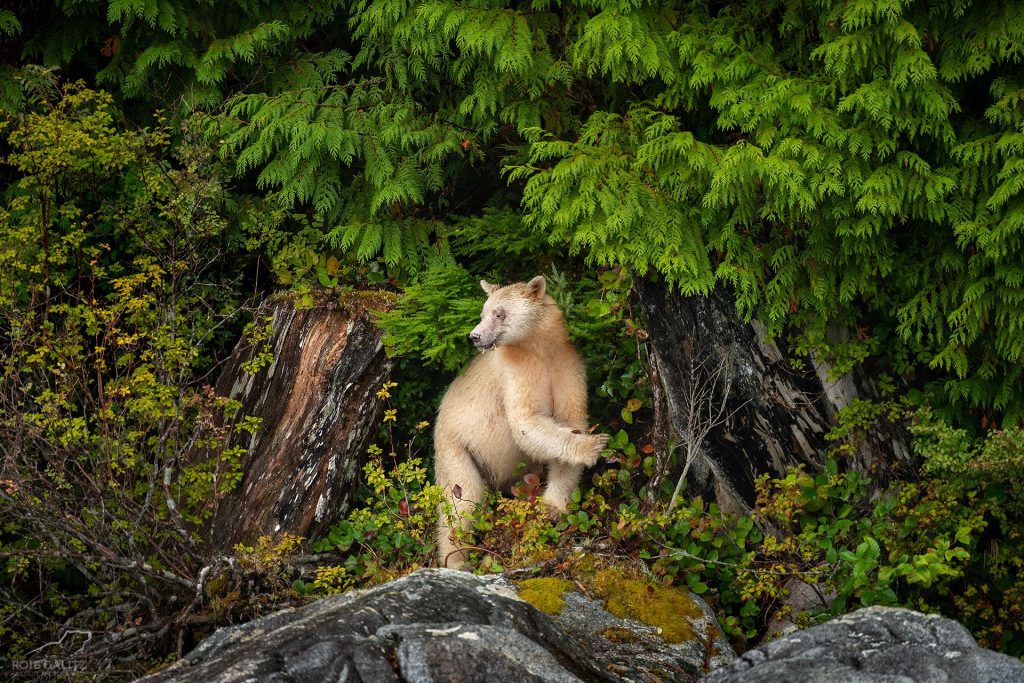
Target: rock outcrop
<point x="443" y="625"/>
<point x="874" y="645"/>
<point x="635" y="651"/>
<point x="318" y="411"/>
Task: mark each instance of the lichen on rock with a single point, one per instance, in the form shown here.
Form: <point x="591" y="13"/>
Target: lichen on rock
<point x="617" y="634"/>
<point x="666" y="608"/>
<point x="641" y="629"/>
<point x="545" y="593"/>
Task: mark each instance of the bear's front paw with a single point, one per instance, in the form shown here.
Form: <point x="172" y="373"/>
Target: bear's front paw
<point x="595" y="443"/>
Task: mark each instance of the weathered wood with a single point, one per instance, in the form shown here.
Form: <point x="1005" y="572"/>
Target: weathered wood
<point x="779" y="410"/>
<point x="317" y="403"/>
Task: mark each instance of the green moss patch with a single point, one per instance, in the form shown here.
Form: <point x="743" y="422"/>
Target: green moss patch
<point x="664" y="607"/>
<point x="545" y="593"/>
<point x="625" y="593"/>
<point x="619" y="635"/>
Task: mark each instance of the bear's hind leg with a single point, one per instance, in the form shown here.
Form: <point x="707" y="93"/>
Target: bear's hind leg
<point x="458" y="475"/>
<point x="562" y="481"/>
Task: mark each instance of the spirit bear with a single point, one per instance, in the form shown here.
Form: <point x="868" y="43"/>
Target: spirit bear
<point x="523" y="399"/>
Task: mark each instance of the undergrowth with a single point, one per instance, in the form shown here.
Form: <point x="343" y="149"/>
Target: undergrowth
<point x="949" y="541"/>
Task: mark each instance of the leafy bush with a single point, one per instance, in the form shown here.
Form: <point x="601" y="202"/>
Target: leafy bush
<point x="115" y="291"/>
<point x="395" y="531"/>
<point x="972" y="496"/>
<point x="949" y="542"/>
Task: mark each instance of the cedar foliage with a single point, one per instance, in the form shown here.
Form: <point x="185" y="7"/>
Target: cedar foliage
<point x="853" y="164"/>
<point x="848" y="165"/>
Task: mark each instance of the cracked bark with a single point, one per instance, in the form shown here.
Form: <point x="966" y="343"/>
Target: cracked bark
<point x="783" y="408"/>
<point x="316" y="400"/>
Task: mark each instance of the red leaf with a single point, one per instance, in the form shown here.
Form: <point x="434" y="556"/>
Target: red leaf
<point x="403" y="507"/>
<point x="531" y="479"/>
<point x="457" y="492"/>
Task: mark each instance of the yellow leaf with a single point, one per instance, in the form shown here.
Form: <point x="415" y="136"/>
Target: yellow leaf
<point x="331" y="266"/>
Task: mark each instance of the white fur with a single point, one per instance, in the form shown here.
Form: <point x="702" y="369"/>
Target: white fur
<point x="523" y="399"/>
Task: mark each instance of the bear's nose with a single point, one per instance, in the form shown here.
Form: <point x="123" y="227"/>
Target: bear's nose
<point x="474" y="337"/>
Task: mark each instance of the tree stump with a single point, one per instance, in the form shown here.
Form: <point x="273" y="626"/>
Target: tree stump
<point x="777" y="410"/>
<point x="319" y="411"/>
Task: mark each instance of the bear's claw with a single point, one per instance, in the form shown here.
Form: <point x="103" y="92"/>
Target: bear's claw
<point x="595" y="446"/>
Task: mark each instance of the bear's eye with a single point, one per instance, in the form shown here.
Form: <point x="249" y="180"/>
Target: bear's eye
<point x="499" y="313"/>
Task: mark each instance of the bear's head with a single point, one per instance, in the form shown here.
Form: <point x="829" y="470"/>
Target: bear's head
<point x="511" y="313"/>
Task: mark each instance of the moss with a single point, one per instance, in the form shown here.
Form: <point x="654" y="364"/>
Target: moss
<point x="584" y="565"/>
<point x="666" y="608"/>
<point x="355" y="301"/>
<point x="216" y="584"/>
<point x="712" y="638"/>
<point x="371" y="299"/>
<point x="545" y="593"/>
<point x="625" y="593"/>
<point x="617" y="634"/>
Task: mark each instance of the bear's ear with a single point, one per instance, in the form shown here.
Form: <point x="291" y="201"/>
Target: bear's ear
<point x="488" y="287"/>
<point x="535" y="287"/>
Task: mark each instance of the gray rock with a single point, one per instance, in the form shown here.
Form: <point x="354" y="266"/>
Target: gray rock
<point x="465" y="652"/>
<point x="874" y="645"/>
<point x="433" y="625"/>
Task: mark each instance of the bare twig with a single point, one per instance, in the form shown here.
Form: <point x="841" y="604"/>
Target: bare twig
<point x="705" y="407"/>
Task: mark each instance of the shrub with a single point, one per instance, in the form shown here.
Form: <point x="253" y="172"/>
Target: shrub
<point x="115" y="291"/>
<point x="394" y="530"/>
